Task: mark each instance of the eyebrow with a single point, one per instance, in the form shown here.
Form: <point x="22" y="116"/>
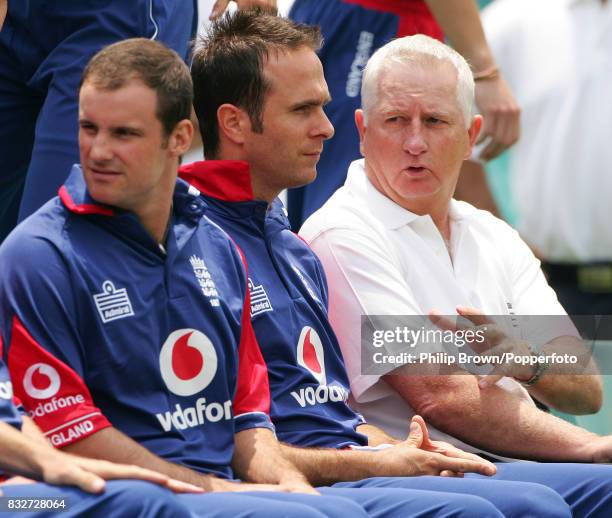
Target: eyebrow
<point x="312" y="102"/>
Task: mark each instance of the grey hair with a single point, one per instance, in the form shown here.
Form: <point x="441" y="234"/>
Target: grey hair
<point x="417" y="50"/>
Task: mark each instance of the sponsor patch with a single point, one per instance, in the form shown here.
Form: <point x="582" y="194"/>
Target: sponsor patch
<point x="113" y="303"/>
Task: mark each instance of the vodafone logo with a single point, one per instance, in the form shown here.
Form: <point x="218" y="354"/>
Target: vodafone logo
<point x="187" y="361"/>
<point x="310" y="354"/>
<point x="41" y="381"/>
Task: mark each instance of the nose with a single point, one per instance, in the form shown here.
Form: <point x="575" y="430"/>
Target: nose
<point x="415" y="143"/>
<point x="324" y="127"/>
<point x="100" y="149"/>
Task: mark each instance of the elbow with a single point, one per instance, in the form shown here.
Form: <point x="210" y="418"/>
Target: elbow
<point x="442" y="412"/>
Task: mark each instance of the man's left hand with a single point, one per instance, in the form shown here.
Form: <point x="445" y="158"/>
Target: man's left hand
<point x="501" y="113"/>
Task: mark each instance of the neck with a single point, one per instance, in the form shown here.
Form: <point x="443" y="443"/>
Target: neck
<point x="262" y="191"/>
<point x="156" y="220"/>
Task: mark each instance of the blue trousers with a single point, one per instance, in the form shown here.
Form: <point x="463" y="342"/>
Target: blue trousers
<point x="44" y="47"/>
<point x="129" y="498"/>
<point x="511" y="498"/>
<point x="587" y="488"/>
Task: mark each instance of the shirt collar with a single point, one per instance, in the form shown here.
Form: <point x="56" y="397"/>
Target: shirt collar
<point x="76" y="198"/>
<point x="389" y="213"/>
<point x="226" y="180"/>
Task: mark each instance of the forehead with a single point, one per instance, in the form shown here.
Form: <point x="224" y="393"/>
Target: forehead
<point x="432" y="84"/>
<point x="132" y="101"/>
<point x="295" y="73"/>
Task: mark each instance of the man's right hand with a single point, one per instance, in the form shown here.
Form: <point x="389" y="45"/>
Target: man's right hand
<point x="408" y="458"/>
<point x="89" y="474"/>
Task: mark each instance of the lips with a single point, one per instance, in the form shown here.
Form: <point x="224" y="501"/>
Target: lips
<point x="416" y="170"/>
<point x="103" y="173"/>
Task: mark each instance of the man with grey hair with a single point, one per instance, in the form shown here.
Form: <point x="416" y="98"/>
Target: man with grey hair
<point x="394" y="242"/>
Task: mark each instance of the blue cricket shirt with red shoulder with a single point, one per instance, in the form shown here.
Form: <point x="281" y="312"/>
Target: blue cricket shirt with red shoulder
<point x="308" y="381"/>
<point x="103" y="327"/>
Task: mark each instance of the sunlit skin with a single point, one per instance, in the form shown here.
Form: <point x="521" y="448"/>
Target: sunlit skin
<point x="294" y="125"/>
<point x="416" y="139"/>
<point x="127" y="161"/>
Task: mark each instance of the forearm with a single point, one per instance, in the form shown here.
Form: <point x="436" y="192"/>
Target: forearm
<point x="328" y="466"/>
<point x="112" y="445"/>
<point x="259" y="458"/>
<point x="460" y="21"/>
<point x="19" y="454"/>
<point x="493" y="419"/>
<point x="375" y="435"/>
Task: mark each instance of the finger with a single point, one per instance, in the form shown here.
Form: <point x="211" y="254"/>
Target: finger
<point x="415" y="435"/>
<point x="423" y="426"/>
<point x="492" y="150"/>
<point x="88" y="482"/>
<point x="456" y="453"/>
<point x="111" y="471"/>
<point x="218" y="9"/>
<point x="489" y="380"/>
<point x="460" y="465"/>
<point x="178" y="486"/>
<point x="474" y="315"/>
<point x="449" y="473"/>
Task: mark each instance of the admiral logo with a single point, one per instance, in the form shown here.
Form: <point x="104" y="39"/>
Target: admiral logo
<point x="6" y="390"/>
<point x="207" y="284"/>
<point x="310" y="354"/>
<point x="188" y="364"/>
<point x="260" y="303"/>
<point x="113" y="303"/>
<point x="41" y="381"/>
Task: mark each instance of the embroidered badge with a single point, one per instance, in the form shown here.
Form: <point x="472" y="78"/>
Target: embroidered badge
<point x="113" y="303"/>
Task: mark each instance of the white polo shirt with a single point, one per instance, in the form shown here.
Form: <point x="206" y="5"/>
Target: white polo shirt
<point x="381" y="259"/>
<point x="557" y="58"/>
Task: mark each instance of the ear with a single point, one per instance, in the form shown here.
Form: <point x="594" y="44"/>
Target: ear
<point x="473" y="132"/>
<point x="361" y="128"/>
<point x="179" y="140"/>
<point x="233" y="123"/>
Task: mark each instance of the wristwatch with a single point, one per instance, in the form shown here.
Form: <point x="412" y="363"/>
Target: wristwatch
<point x="540" y="369"/>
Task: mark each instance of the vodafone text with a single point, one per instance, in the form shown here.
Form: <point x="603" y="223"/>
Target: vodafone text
<point x="54" y="404"/>
<point x="321" y="394"/>
<point x="197" y="415"/>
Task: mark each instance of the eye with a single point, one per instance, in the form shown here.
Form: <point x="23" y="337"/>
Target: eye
<point x="124" y="132"/>
<point x="394" y="119"/>
<point x="87" y="127"/>
<point x="434" y="121"/>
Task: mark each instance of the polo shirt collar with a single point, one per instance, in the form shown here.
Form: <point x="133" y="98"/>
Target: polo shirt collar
<point x="389" y="213"/>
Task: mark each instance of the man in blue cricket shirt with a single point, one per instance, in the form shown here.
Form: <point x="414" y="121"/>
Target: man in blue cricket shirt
<point x="263" y="125"/>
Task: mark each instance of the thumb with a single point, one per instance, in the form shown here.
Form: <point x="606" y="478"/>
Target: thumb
<point x="415" y="435"/>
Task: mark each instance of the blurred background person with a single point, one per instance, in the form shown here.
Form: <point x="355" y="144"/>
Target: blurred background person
<point x="44" y="47"/>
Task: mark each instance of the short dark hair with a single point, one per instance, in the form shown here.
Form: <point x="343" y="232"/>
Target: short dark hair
<point x="228" y="65"/>
<point x="157" y="66"/>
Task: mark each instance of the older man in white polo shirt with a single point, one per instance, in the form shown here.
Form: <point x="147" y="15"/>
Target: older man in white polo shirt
<point x="394" y="242"/>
